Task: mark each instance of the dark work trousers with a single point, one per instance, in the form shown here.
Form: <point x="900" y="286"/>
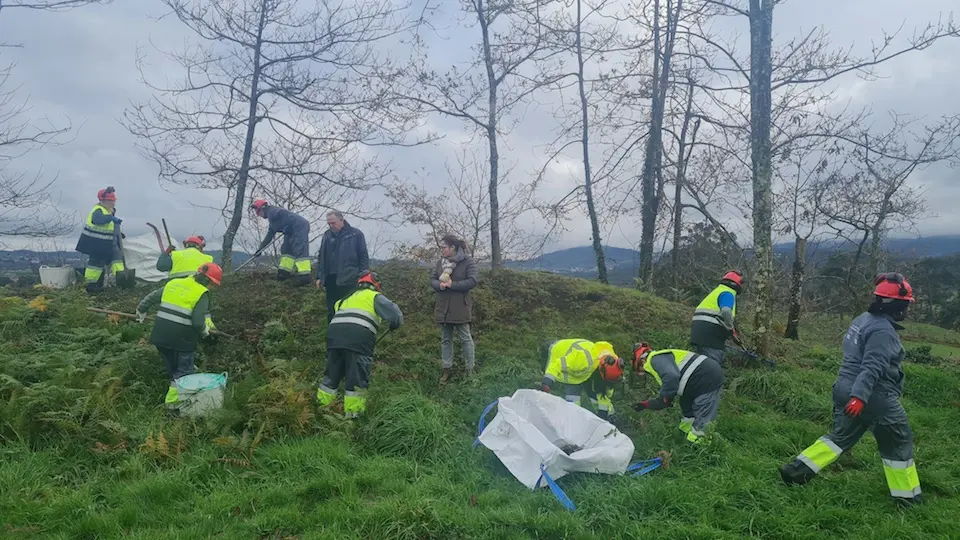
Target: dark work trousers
<point x="354" y="370"/>
<point x="178" y="363"/>
<point x="335" y="293"/>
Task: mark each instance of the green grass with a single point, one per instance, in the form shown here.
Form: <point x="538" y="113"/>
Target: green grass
<point x="86" y="452"/>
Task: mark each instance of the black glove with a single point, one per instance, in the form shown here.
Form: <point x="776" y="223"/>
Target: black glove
<point x="394" y="326"/>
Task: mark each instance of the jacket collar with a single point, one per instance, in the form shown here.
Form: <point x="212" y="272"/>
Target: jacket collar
<point x="894" y="323"/>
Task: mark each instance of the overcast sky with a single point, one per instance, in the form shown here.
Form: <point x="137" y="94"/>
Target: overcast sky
<point x="80" y="65"/>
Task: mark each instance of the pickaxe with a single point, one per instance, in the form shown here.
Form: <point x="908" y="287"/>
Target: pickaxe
<point x="157" y="232"/>
<point x="134" y="316"/>
<point x="254" y="256"/>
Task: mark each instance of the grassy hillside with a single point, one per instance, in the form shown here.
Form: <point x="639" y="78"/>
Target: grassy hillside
<point x="88" y="453"/>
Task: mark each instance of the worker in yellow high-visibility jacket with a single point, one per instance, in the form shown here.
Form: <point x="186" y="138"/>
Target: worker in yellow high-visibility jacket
<point x="580" y="364"/>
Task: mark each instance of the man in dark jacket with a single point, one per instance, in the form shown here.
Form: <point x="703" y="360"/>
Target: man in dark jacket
<point x="866" y="396"/>
<point x="295" y="250"/>
<point x="342" y="259"/>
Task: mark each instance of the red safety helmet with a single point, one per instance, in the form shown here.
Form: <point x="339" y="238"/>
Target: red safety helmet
<point x="212" y="271"/>
<point x="640" y="352"/>
<point x="894" y="286"/>
<point x="258" y="204"/>
<point x="733" y="276"/>
<point x="107" y="194"/>
<point x="198" y="240"/>
<point x="369" y="279"/>
<point x="611" y="368"/>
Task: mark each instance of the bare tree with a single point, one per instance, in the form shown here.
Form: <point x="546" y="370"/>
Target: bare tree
<point x="874" y="195"/>
<point x="653" y="155"/>
<point x="27" y="207"/>
<point x="810" y="60"/>
<point x="462" y="208"/>
<point x="488" y="87"/>
<point x="803" y="176"/>
<point x="310" y="75"/>
<point x="49" y="5"/>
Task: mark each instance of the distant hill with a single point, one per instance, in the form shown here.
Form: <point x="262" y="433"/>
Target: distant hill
<point x="623" y="263"/>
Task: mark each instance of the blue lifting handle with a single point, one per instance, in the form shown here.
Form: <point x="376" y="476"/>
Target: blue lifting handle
<point x="482" y="424"/>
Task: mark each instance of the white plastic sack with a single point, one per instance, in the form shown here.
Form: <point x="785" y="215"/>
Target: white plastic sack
<point x="531" y="428"/>
<point x="142" y="253"/>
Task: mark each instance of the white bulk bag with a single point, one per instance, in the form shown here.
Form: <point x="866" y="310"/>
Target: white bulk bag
<point x="531" y="429"/>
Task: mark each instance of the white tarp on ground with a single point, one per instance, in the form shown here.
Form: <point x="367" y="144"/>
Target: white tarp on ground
<point x="532" y="428"/>
<point x="142" y="253"/>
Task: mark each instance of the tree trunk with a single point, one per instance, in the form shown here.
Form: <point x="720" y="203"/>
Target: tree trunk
<point x="496" y="256"/>
<point x="654" y="149"/>
<point x="226" y="257"/>
<point x="587" y="181"/>
<point x="761" y="43"/>
<point x="678" y="187"/>
<point x="796" y="288"/>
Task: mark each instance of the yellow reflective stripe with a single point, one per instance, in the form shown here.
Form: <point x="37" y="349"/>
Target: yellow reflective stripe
<point x="685" y="375"/>
<point x="686" y="359"/>
<point x="174" y="318"/>
<point x="355" y="316"/>
<point x="99" y="235"/>
<point x="172" y="395"/>
<point x="820" y="454"/>
<point x="326" y="395"/>
<point x="174" y="307"/>
<point x="354" y="403"/>
<point x="902" y="478"/>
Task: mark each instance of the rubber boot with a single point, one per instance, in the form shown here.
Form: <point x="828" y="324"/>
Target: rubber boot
<point x="908" y="502"/>
<point x="796" y="472"/>
<point x="282" y="275"/>
<point x="446" y="376"/>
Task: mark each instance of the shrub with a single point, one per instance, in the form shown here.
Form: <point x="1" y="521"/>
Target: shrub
<point x="922" y="355"/>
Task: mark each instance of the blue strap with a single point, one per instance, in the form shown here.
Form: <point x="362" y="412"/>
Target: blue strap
<point x="483" y="421"/>
<point x="557" y="491"/>
<point x="645" y="466"/>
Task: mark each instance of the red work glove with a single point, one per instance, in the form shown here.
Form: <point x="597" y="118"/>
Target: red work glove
<point x="545" y="388"/>
<point x="854" y="407"/>
<point x="169" y="250"/>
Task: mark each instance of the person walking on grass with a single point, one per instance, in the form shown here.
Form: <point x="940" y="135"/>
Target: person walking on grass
<point x="866" y="396"/>
<point x="351" y="340"/>
<point x="582" y="365"/>
<point x="341" y="260"/>
<point x="695" y="380"/>
<point x="182" y="319"/>
<point x="452" y="279"/>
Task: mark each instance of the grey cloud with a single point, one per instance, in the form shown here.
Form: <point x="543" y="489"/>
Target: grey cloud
<point x="81" y="63"/>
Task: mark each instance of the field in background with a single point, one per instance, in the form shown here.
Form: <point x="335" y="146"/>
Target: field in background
<point x="87" y="451"/>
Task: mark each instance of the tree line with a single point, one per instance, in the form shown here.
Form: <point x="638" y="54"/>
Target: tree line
<point x="673" y="123"/>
